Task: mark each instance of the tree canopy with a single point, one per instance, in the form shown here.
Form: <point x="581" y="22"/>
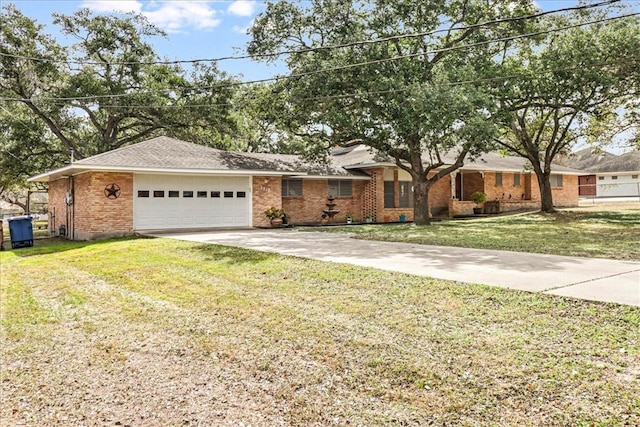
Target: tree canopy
<point x="106" y="90"/>
<point x="391" y="74"/>
<point x="559" y="84"/>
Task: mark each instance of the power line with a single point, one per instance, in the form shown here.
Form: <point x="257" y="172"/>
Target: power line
<point x="331" y="69"/>
<point x="383" y="92"/>
<point x="319" y="48"/>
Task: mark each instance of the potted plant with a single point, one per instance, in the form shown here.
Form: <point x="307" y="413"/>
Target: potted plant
<point x="403" y="217"/>
<point x="478" y="198"/>
<point x="349" y="218"/>
<point x="274" y="215"/>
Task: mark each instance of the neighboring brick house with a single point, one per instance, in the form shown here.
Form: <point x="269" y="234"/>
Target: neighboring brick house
<point x="165" y="183"/>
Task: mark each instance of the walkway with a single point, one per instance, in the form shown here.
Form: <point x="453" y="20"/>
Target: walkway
<point x="586" y="278"/>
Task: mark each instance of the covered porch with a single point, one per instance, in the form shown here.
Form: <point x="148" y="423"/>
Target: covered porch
<point x="506" y="191"/>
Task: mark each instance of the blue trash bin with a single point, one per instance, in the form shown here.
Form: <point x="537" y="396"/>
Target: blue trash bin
<point x="21" y="231"/>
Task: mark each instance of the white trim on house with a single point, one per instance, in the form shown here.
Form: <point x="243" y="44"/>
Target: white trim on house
<point x="344" y="177"/>
<point x="76" y="169"/>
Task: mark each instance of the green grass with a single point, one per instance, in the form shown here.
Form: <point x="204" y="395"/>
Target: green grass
<point x="162" y="332"/>
<point x="591" y="234"/>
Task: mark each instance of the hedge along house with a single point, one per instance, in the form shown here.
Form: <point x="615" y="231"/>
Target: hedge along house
<point x="168" y="184"/>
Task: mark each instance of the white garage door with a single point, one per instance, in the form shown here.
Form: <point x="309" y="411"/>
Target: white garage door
<point x="169" y="201"/>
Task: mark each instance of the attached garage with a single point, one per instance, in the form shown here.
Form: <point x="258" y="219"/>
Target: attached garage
<point x="180" y="201"/>
<point x="168" y="184"/>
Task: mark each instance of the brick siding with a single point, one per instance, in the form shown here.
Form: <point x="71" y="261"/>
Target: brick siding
<point x="57" y="205"/>
<point x="267" y="192"/>
<point x="92" y="215"/>
<point x="308" y="208"/>
<point x="568" y="195"/>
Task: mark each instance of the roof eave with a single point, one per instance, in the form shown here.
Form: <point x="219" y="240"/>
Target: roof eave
<point x="345" y="177"/>
<point x="75" y="169"/>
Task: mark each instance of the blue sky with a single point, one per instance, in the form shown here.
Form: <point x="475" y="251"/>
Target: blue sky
<point x="197" y="29"/>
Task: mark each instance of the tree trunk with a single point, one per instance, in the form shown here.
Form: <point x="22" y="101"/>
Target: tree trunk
<point x="421" y="202"/>
<point x="546" y="196"/>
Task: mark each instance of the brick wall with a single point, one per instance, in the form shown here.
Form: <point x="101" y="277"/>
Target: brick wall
<point x="464" y="208"/>
<point x="267" y="192"/>
<point x="373" y="195"/>
<point x="57" y="205"/>
<point x="440" y="194"/>
<point x="508" y="190"/>
<point x="308" y="208"/>
<point x="513" y="197"/>
<point x="568" y="195"/>
<point x="96" y="216"/>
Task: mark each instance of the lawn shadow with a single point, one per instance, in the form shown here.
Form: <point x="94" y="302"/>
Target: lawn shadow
<point x="56" y="245"/>
<point x="232" y="255"/>
<point x="626" y="217"/>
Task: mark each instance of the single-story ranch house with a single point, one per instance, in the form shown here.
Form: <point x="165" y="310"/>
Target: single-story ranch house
<point x="169" y="184"/>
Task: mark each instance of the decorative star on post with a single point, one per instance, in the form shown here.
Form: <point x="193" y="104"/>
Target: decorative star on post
<point x="112" y="191"/>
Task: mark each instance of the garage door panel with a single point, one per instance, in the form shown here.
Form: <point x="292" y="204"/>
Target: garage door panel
<point x="188" y="202"/>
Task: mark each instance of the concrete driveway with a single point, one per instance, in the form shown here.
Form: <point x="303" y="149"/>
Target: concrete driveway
<point x="586" y="278"/>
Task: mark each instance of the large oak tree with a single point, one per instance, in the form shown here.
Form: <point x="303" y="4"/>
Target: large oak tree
<point x="396" y="85"/>
<point x="107" y="89"/>
<point x="558" y="85"/>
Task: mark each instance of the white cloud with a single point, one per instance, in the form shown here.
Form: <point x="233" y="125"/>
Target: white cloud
<point x="113" y="5"/>
<point x="176" y="15"/>
<point x="170" y="15"/>
<point x="242" y="7"/>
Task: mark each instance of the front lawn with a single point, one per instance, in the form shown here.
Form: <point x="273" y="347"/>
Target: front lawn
<point x="613" y="235"/>
<point x="163" y="332"/>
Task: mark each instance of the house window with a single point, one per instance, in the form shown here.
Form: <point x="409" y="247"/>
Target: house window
<point x="228" y="194"/>
<point x="498" y="179"/>
<point x="340" y="188"/>
<point x="241" y="194"/>
<point x="173" y="193"/>
<point x="601" y="178"/>
<point x="291" y="187"/>
<point x="405" y="196"/>
<point x="389" y="194"/>
<point x="187" y="194"/>
<point x="143" y="193"/>
<point x="215" y="194"/>
<point x="614" y="177"/>
<point x="516" y="179"/>
<point x="556" y="181"/>
<point x="158" y="193"/>
<point x="202" y="194"/>
<point x="634" y="176"/>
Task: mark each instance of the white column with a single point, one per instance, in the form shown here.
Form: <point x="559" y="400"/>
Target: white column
<point x="453" y="184"/>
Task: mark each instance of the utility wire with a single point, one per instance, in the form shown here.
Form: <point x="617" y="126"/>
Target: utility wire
<point x="319" y="48"/>
<point x="331" y="69"/>
<point x="383" y="92"/>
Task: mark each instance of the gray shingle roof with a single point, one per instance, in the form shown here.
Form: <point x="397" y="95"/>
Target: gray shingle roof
<point x="170" y="153"/>
<point x="594" y="162"/>
<point x="360" y="155"/>
<point x="629" y="162"/>
<point x="585" y="159"/>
